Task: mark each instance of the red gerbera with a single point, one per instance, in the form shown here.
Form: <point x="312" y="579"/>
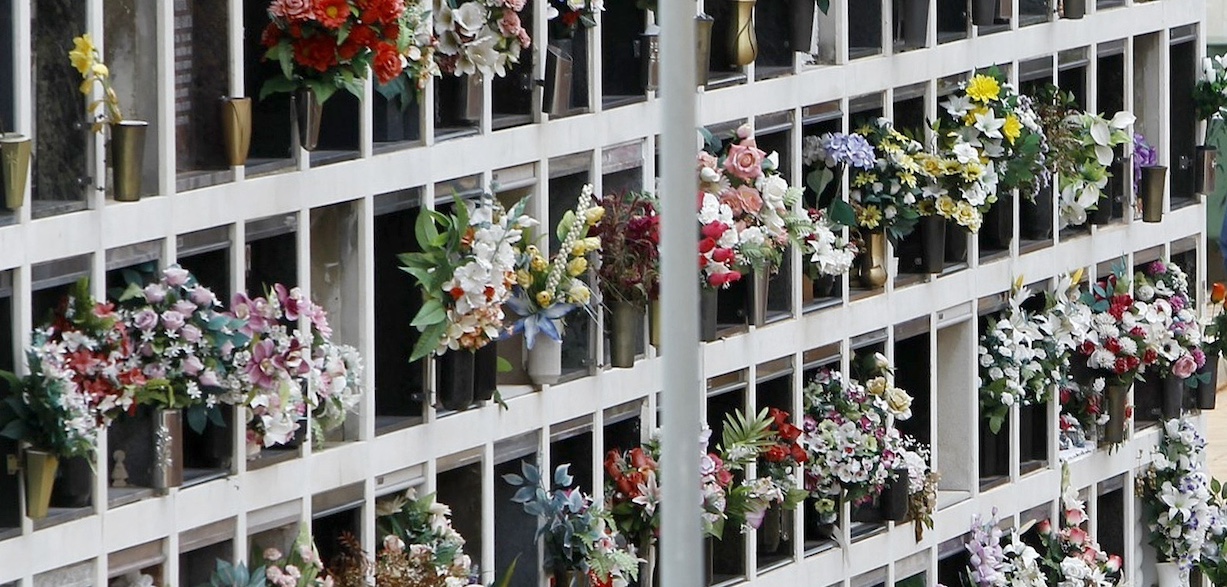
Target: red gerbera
<point x="318" y="53"/>
<point x="332" y="13"/>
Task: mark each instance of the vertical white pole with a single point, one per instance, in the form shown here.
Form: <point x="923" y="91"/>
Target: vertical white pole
<point x="681" y="538"/>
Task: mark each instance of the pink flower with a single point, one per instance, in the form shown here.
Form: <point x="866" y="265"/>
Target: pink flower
<point x="516" y="5"/>
<point x="208" y="378"/>
<point x="1077" y="536"/>
<point x="145" y="320"/>
<point x="191" y="333"/>
<point x="155" y="293"/>
<point x="1044" y="527"/>
<point x="1075" y="517"/>
<point x="203" y="297"/>
<point x="172" y="320"/>
<point x="1114" y="563"/>
<point x="290" y="301"/>
<point x="192" y="365"/>
<point x="509" y="25"/>
<point x="1184" y="367"/>
<point x="744" y="132"/>
<point x="272" y="554"/>
<point x="525" y="40"/>
<point x="175" y="276"/>
<point x="266" y="365"/>
<point x="185" y="307"/>
<point x="745" y="161"/>
<point x="707" y="160"/>
<point x="293" y="9"/>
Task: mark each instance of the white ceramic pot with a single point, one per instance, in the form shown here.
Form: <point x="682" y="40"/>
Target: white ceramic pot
<point x="1170" y="575"/>
<point x="545" y="361"/>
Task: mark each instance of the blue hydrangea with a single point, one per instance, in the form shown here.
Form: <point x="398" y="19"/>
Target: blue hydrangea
<point x="847" y="149"/>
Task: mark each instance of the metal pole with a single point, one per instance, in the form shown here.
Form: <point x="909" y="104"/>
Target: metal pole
<point x="681" y="539"/>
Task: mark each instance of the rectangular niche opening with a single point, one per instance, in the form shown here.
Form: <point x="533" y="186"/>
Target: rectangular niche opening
<point x="567" y="60"/>
<point x="622" y="173"/>
<point x="272" y="253"/>
<point x="1035" y="219"/>
<point x="131" y="52"/>
<point x="773" y="22"/>
<point x="272" y="145"/>
<point x="952" y="560"/>
<point x="1101" y="5"/>
<point x="514" y="530"/>
<point x="512" y="95"/>
<point x="1148" y="393"/>
<point x="75" y="575"/>
<point x="725" y="394"/>
<point x="333" y="515"/>
<point x="909" y="110"/>
<point x="8" y="93"/>
<point x="1110" y="99"/>
<point x="994" y="448"/>
<point x="624" y="50"/>
<point x="511" y="185"/>
<point x="458" y="106"/>
<point x="397" y="121"/>
<point x="135" y="562"/>
<point x="818" y="291"/>
<point x="623" y="427"/>
<point x="132" y="264"/>
<point x="10" y="481"/>
<point x="200" y="549"/>
<point x="1032" y="12"/>
<point x="568" y="174"/>
<point x="911" y="24"/>
<point x="571" y="443"/>
<point x="913" y="372"/>
<point x="721" y="70"/>
<point x="339" y="129"/>
<point x="202" y="64"/>
<point x="864" y="28"/>
<point x="953" y="20"/>
<point x="400" y="386"/>
<point x="1109" y="512"/>
<point x="1182" y="134"/>
<point x="816" y="538"/>
<point x="773" y="389"/>
<point x="866" y="519"/>
<point x="336" y="282"/>
<point x="956" y="406"/>
<point x="459" y="485"/>
<point x="62" y="171"/>
<point x="773" y="132"/>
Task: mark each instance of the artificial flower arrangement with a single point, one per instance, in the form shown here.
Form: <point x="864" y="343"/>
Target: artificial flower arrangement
<point x="997" y="559"/>
<point x="576" y="532"/>
<point x="771" y="438"/>
<point x="747" y="211"/>
<point x="567" y="16"/>
<point x="327" y="45"/>
<point x="1082" y="411"/>
<point x="1213" y="563"/>
<point x="185" y="345"/>
<point x="1177" y="505"/>
<point x="1071" y="556"/>
<point x="849" y="433"/>
<point x="1082" y="399"/>
<point x="1144" y="155"/>
<point x="419" y="548"/>
<point x="548" y="288"/>
<point x="479" y="37"/>
<point x="1210" y="92"/>
<point x="289" y="371"/>
<point x="827" y="252"/>
<point x="300" y="566"/>
<point x="1114" y="342"/>
<point x="884" y="197"/>
<point x="1022" y="360"/>
<point x="630" y="248"/>
<point x="82" y="375"/>
<point x="1214" y="336"/>
<point x="831" y="155"/>
<point x="1172" y="328"/>
<point x="466" y="268"/>
<point x="1081" y="150"/>
<point x="88" y="62"/>
<point x="922" y="486"/>
<point x="1003" y="127"/>
<point x="416" y="44"/>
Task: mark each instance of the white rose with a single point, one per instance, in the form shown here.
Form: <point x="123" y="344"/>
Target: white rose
<point x="471" y="17"/>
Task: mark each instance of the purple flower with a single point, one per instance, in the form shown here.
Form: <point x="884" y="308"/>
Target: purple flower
<point x="208" y="378"/>
<point x="175" y="276"/>
<point x="847" y="149"/>
<point x="1144" y="155"/>
<point x="145" y="320"/>
<point x="185" y="307"/>
<point x="266" y="365"/>
<point x="192" y="365"/>
<point x="191" y="333"/>
<point x="172" y="320"/>
<point x="203" y="297"/>
<point x="155" y="293"/>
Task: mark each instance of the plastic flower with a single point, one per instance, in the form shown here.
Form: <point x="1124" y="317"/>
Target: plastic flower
<point x="983" y="88"/>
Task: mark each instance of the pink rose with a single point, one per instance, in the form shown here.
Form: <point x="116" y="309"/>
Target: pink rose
<point x="192" y="365"/>
<point x="191" y="333"/>
<point x="516" y="5"/>
<point x="145" y="320"/>
<point x="744" y="131"/>
<point x="172" y="320"/>
<point x="707" y="160"/>
<point x="525" y="40"/>
<point x="509" y="25"/>
<point x="208" y="378"/>
<point x="185" y="307"/>
<point x="292" y="9"/>
<point x="1184" y="367"/>
<point x="175" y="276"/>
<point x="203" y="297"/>
<point x="155" y="293"/>
<point x="745" y="161"/>
<point x="751" y="200"/>
<point x="1077" y="536"/>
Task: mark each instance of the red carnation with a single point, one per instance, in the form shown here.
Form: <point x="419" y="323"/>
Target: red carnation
<point x="706" y="245"/>
<point x="271" y="36"/>
<point x="361" y="37"/>
<point x="1087" y="347"/>
<point x="1112" y="345"/>
<point x="776" y="454"/>
<point x="387" y="64"/>
<point x="318" y="53"/>
<point x="332" y="13"/>
<point x="722" y="255"/>
<point x="789" y="432"/>
<point x="714" y="229"/>
<point x="799" y="454"/>
<point x="1150" y="356"/>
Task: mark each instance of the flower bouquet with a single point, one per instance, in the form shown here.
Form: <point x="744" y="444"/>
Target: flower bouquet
<point x="567" y="16"/>
<point x="1021" y="361"/>
<point x="1210" y="92"/>
<point x="301" y="566"/>
<point x="629" y="271"/>
<point x="884" y="196"/>
<point x="1071" y="556"/>
<point x="1176" y="497"/>
<point x="574" y="530"/>
<point x="326" y="45"/>
<point x="922" y="486"/>
<point x="827" y="252"/>
<point x="482" y="37"/>
<point x="419" y="547"/>
<point x="1171" y="323"/>
<point x="768" y="437"/>
<point x="86" y="59"/>
<point x="632" y="492"/>
<point x="185" y="346"/>
<point x="1114" y="345"/>
<point x="1083" y="169"/>
<point x="997" y="560"/>
<point x="831" y="155"/>
<point x="416" y="44"/>
<point x="127" y="137"/>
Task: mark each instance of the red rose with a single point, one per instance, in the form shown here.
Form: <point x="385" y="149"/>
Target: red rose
<point x="625" y="487"/>
<point x="714" y="229"/>
<point x="271" y="36"/>
<point x="706" y="245"/>
<point x="723" y="255"/>
<point x="387" y="64"/>
<point x="332" y="13"/>
<point x="776" y="454"/>
<point x="1087" y="347"/>
<point x="318" y="53"/>
<point x="789" y="432"/>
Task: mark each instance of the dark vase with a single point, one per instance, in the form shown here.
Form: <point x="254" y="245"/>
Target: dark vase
<point x="998" y="229"/>
<point x="893" y="500"/>
<point x="1035" y="218"/>
<point x="924" y="251"/>
<point x="485" y="374"/>
<point x="10" y="484"/>
<point x="74" y="484"/>
<point x="708" y="301"/>
<point x="956" y="243"/>
<point x="776" y="524"/>
<point x="824" y="286"/>
<point x="1102" y="214"/>
<point x="1207" y="391"/>
<point x="802" y="32"/>
<point x="456" y="379"/>
<point x="1173" y="397"/>
<point x="1148" y="399"/>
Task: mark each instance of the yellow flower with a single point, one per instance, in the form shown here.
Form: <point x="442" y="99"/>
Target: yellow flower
<point x="869" y="217"/>
<point x="908" y="179"/>
<point x="972" y="171"/>
<point x="1012" y="128"/>
<point x="82" y="54"/>
<point x="967" y="215"/>
<point x="524" y="278"/>
<point x="537" y="263"/>
<point x="585" y="245"/>
<point x="932" y="165"/>
<point x="100" y="70"/>
<point x="544" y="298"/>
<point x="876" y="386"/>
<point x="579" y="293"/>
<point x="898" y="400"/>
<point x="945" y="206"/>
<point x="983" y="88"/>
<point x="970" y="119"/>
<point x="864" y="179"/>
<point x="577" y="266"/>
<point x="926" y="207"/>
<point x="593" y="215"/>
<point x="907" y="162"/>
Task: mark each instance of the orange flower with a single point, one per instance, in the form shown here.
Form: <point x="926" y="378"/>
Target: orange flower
<point x="1218" y="292"/>
<point x="332" y="13"/>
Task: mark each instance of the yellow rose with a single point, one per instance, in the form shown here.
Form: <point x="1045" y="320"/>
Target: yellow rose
<point x="945" y="206"/>
<point x="577" y="266"/>
<point x="537" y="263"/>
<point x="876" y="386"/>
<point x="967" y="215"/>
<point x="544" y="298"/>
<point x="899" y="402"/>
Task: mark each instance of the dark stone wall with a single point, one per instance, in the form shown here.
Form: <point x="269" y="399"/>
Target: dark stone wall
<point x="202" y="59"/>
<point x="7" y="117"/>
<point x="59" y="107"/>
<point x="621" y="25"/>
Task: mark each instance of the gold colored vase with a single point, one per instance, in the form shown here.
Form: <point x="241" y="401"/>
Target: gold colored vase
<point x="14" y="168"/>
<point x="873" y="261"/>
<point x="743" y="44"/>
<point x="40" y="478"/>
<point x="127" y="158"/>
<point x="236" y="129"/>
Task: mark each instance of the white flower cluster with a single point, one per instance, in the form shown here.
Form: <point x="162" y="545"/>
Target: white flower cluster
<point x="482" y="37"/>
<point x="1180" y="514"/>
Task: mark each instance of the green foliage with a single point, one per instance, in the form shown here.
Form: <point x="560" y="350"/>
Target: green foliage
<point x="228" y="575"/>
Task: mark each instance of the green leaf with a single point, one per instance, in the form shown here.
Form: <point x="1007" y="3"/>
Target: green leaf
<point x="819" y="179"/>
<point x="432" y="312"/>
<point x="503" y="365"/>
<point x="426" y="229"/>
<point x="842" y="213"/>
<point x="276" y="85"/>
<point x="429" y="341"/>
<point x="505" y="581"/>
<point x="824" y="5"/>
<point x="564" y="225"/>
<point x="996" y="420"/>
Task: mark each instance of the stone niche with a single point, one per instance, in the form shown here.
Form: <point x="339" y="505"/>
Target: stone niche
<point x="60" y="139"/>
<point x="202" y="62"/>
<point x="131" y="52"/>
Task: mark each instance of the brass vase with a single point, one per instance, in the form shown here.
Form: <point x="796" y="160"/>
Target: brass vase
<point x="1207" y="160"/>
<point x="1074" y="9"/>
<point x="627" y="324"/>
<point x="1154" y="181"/>
<point x="40" y="478"/>
<point x="758" y="297"/>
<point x="873" y="261"/>
<point x="236" y="129"/>
<point x="127" y="157"/>
<point x="743" y="43"/>
<point x="1117" y="397"/>
<point x="14" y="168"/>
<point x="308" y="112"/>
<point x="654" y="323"/>
<point x="167" y="449"/>
<point x="702" y="39"/>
